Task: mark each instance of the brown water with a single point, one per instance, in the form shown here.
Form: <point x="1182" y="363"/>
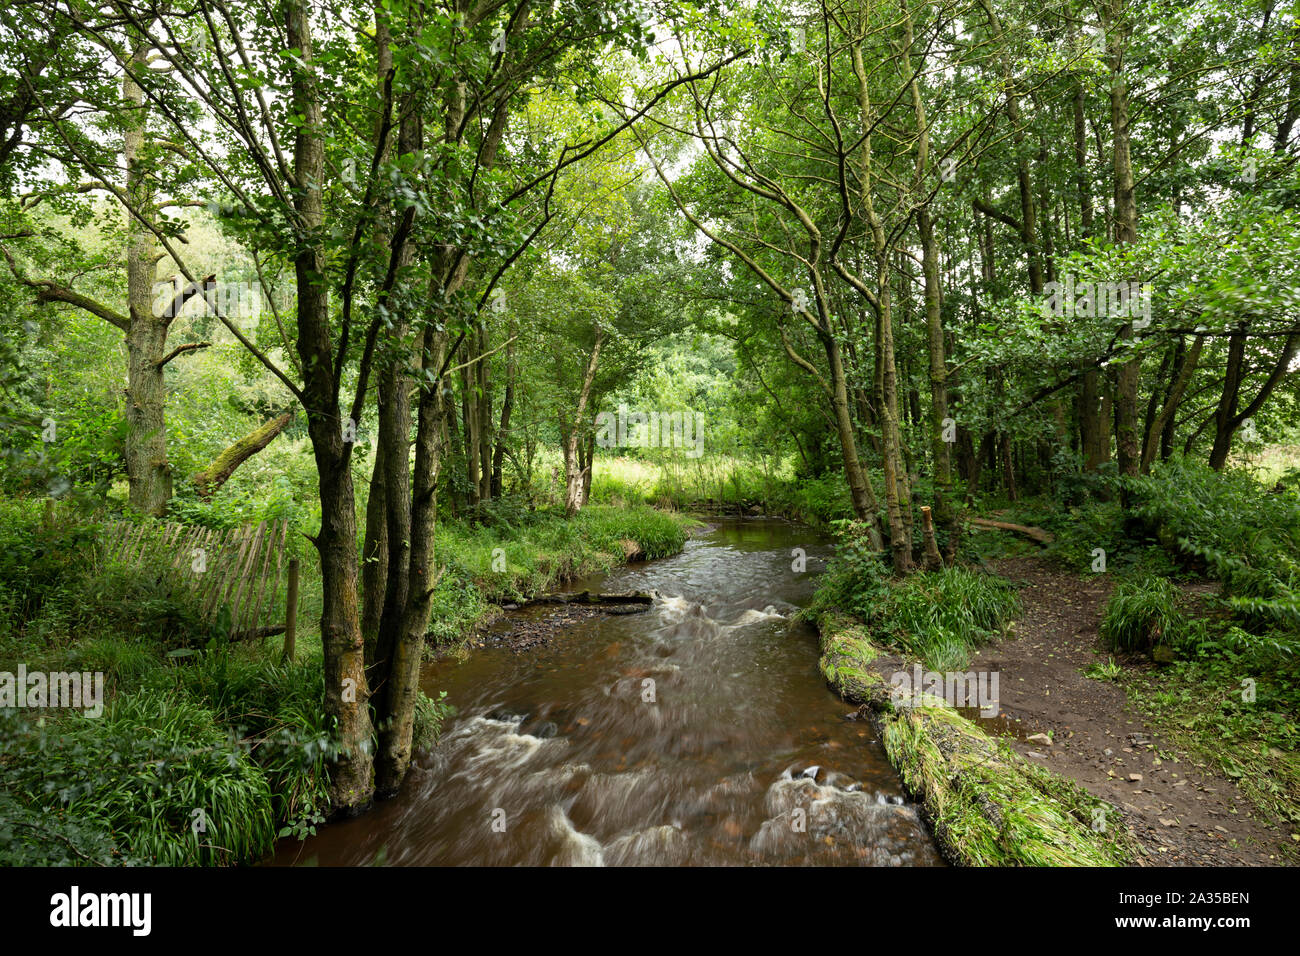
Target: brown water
<point x="699" y="732"/>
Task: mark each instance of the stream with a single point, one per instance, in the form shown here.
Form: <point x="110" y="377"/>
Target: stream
<point x="699" y="732"/>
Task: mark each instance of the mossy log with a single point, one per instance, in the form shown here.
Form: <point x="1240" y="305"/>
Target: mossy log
<point x="986" y="805"/>
<point x="209" y="479"/>
<point x="270" y="630"/>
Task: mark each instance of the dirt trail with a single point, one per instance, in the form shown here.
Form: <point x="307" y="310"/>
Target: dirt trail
<point x="1183" y="816"/>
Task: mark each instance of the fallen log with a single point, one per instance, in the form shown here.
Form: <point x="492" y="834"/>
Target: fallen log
<point x="272" y="630"/>
<point x="1034" y="534"/>
<point x="211" y="478"/>
<point x="586" y="597"/>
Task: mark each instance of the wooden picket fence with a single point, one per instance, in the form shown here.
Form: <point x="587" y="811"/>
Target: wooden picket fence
<point x="236" y="568"/>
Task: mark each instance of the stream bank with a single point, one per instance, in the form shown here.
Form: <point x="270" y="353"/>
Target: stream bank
<point x="987" y="805"/>
<point x="1023" y="787"/>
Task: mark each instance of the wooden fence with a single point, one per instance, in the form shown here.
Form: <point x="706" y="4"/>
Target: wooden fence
<point x="235" y="568"/>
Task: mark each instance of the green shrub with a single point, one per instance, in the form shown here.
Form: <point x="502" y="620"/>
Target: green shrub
<point x="155" y="775"/>
<point x="430" y="714"/>
<point x="856" y="578"/>
<point x="936" y="616"/>
<point x="1142" y="613"/>
<point x="37" y="559"/>
<point x="148" y="600"/>
<point x="1240" y="532"/>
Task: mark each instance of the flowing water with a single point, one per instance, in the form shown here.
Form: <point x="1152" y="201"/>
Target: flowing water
<point x="697" y="732"/>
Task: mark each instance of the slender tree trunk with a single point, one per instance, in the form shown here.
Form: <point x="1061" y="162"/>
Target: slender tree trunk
<point x="865" y="505"/>
<point x="573" y="472"/>
<point x="374" y="570"/>
<point x="1227" y="419"/>
<point x="374" y="549"/>
<point x="507" y="408"/>
<point x="471" y="418"/>
<point x="346" y="691"/>
<point x="1127" y="441"/>
<point x="941" y="449"/>
<point x="1184" y="368"/>
<point x="483" y="377"/>
<point x="589" y="469"/>
<point x="900" y="544"/>
<point x="403" y="678"/>
<point x="394" y="399"/>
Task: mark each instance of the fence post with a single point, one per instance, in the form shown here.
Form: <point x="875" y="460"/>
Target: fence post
<point x="291" y="611"/>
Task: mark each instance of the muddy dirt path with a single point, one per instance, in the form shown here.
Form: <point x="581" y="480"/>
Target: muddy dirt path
<point x="1183" y="815"/>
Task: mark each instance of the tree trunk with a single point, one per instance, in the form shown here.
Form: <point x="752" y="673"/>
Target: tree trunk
<point x="374" y="549"/>
<point x="346" y="694"/>
<point x="507" y="408"/>
<point x="148" y="473"/>
<point x="900" y="544"/>
<point x="471" y="419"/>
<point x="374" y="553"/>
<point x="1127" y="441"/>
<point x="589" y="468"/>
<point x="403" y="678"/>
<point x="865" y="506"/>
<point x="572" y="434"/>
<point x="483" y="370"/>
<point x="941" y="449"/>
<point x="1227" y="419"/>
<point x="1184" y="368"/>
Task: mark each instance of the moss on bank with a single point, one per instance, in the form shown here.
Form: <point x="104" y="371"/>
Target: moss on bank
<point x="986" y="805"/>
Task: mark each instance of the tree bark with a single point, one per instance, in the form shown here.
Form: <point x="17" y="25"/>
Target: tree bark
<point x="148" y="472"/>
<point x="944" y="513"/>
<point x="573" y="473"/>
<point x="1127" y="441"/>
<point x="507" y="408"/>
<point x="1182" y="375"/>
<point x="403" y="678"/>
<point x="346" y="693"/>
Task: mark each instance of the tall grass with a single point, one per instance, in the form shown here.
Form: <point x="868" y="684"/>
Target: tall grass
<point x="156" y="774"/>
<point x="940" y="616"/>
<point x="937" y="616"/>
<point x="533" y="551"/>
<point x="721" y="483"/>
<point x="1142" y="613"/>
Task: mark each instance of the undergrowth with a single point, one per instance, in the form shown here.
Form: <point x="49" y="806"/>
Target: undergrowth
<point x="936" y="616"/>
